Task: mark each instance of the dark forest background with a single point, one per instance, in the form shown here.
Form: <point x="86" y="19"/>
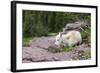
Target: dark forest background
<point x="44" y="23"/>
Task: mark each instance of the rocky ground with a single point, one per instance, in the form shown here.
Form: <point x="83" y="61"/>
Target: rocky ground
<point x="38" y="51"/>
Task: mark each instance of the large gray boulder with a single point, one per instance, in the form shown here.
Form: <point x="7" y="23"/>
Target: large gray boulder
<point x="75" y="26"/>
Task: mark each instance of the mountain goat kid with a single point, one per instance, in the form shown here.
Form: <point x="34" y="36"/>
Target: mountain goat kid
<point x="69" y="39"/>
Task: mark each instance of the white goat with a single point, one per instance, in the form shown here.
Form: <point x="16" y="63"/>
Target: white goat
<point x="71" y="38"/>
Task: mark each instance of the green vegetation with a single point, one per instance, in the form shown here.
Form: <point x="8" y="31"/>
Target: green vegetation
<point x="49" y="23"/>
<point x="40" y="23"/>
<point x="52" y="34"/>
<point x="67" y="49"/>
<point x="61" y="49"/>
<point x="83" y="55"/>
<point x="27" y="41"/>
<point x="86" y="34"/>
<point x="87" y="54"/>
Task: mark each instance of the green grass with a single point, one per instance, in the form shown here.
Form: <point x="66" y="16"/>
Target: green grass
<point x="27" y="41"/>
<point x="62" y="49"/>
<point x="67" y="49"/>
<point x="86" y="34"/>
<point x="87" y="54"/>
<point x="52" y="34"/>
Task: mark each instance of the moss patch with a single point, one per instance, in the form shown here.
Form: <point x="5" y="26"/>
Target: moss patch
<point x="61" y="49"/>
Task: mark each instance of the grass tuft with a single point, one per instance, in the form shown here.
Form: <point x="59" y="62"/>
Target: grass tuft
<point x="27" y="41"/>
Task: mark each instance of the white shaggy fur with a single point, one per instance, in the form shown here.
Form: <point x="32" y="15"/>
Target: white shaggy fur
<point x="70" y="39"/>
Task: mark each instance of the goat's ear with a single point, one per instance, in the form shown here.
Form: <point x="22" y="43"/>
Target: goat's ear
<point x="60" y="34"/>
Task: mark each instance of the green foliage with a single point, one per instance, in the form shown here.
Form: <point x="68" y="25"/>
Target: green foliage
<point x="86" y="54"/>
<point x="27" y="41"/>
<point x="60" y="49"/>
<point x="40" y="23"/>
<point x="40" y="31"/>
<point x="86" y="34"/>
<point x="52" y="34"/>
<point x="67" y="49"/>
